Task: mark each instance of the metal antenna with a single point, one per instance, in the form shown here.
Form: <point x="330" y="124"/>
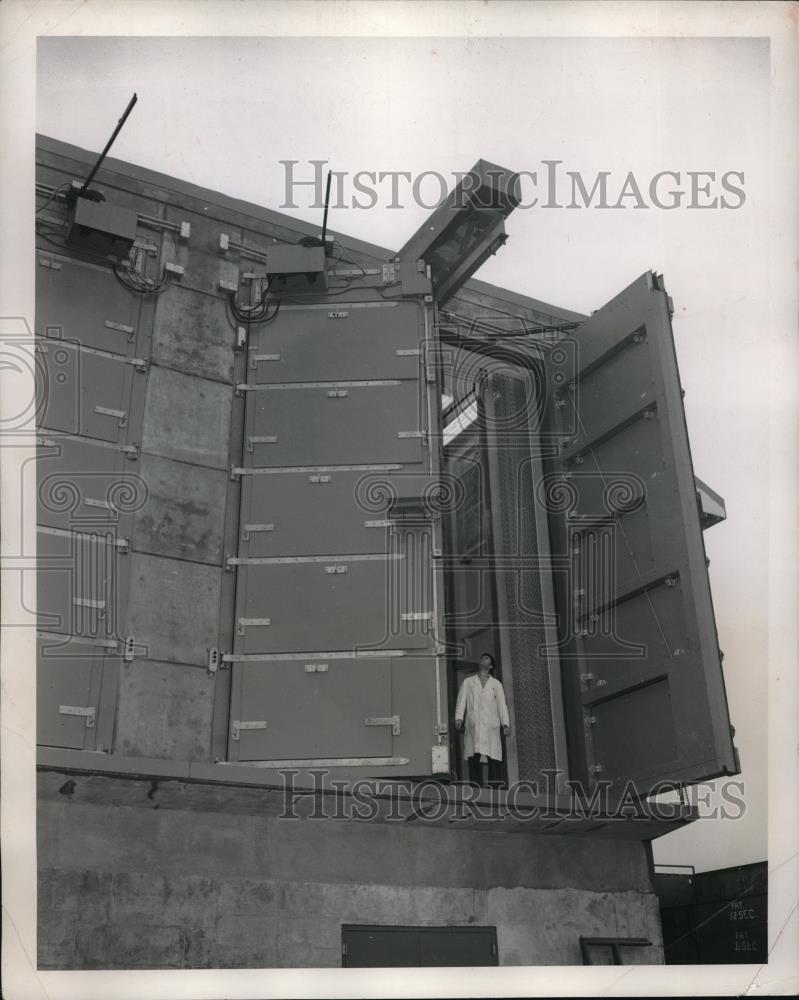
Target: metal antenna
<point x="108" y="145"/>
<point x="327" y="202"/>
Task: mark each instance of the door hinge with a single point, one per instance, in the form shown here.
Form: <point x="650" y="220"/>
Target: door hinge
<point x="213" y="660"/>
<point x="392" y="720"/>
<point x="130" y="649"/>
<point x="237" y="726"/>
<point x="86" y="711"/>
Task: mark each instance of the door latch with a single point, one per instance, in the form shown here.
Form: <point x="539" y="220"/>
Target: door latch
<point x="392" y="720"/>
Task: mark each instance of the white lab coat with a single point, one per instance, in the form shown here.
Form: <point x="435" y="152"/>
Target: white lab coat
<point x="486" y="712"/>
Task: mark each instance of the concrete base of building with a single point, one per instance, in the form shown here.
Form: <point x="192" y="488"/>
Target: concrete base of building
<point x="138" y="874"/>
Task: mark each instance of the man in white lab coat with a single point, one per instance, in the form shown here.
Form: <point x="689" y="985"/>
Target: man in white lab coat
<point x="481" y="700"/>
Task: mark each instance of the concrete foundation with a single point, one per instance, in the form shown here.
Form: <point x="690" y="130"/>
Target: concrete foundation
<point x="149" y="885"/>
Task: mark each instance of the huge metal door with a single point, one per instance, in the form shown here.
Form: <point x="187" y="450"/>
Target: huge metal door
<point x="644" y="691"/>
<point x="335" y="654"/>
<point x="90" y="387"/>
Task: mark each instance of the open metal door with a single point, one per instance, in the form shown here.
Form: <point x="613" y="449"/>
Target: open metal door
<point x="643" y="687"/>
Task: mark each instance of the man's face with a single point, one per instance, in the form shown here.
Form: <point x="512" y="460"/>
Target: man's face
<point x="485" y="663"/>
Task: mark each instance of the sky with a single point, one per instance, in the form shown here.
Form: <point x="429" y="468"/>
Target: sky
<point x="223" y="112"/>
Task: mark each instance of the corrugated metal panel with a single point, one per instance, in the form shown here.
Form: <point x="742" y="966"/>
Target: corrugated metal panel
<point x="644" y="692"/>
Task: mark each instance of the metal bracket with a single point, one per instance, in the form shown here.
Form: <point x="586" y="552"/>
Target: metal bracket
<point x="392" y="720"/>
<point x="177" y="269"/>
<point x="237" y="726"/>
<point x="120" y="327"/>
<point x="88" y="712"/>
<point x="89" y="602"/>
<point x="106" y="411"/>
<point x="213" y="660"/>
<point x="244" y="623"/>
<point x="249" y="528"/>
<point x="256" y="358"/>
<point x="254" y="439"/>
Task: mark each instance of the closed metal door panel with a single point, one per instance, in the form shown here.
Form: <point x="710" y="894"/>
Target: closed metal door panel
<point x="339" y="341"/>
<point x="458" y="946"/>
<point x="418" y="693"/>
<point x="301" y="513"/>
<point x="84" y="393"/>
<point x="336" y="425"/>
<point x="403" y="947"/>
<point x="316" y="709"/>
<point x="65" y="687"/>
<point x="81" y="584"/>
<point x="81" y="483"/>
<point x="330" y="605"/>
<point x="85" y="303"/>
<point x="623" y="454"/>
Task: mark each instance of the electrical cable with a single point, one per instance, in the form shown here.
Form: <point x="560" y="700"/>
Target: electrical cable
<point x="53" y="194"/>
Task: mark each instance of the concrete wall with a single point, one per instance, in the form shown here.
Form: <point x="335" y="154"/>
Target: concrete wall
<point x="146" y="885"/>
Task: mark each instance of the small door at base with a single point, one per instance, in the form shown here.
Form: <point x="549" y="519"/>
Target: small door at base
<point x="406" y="947"/>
